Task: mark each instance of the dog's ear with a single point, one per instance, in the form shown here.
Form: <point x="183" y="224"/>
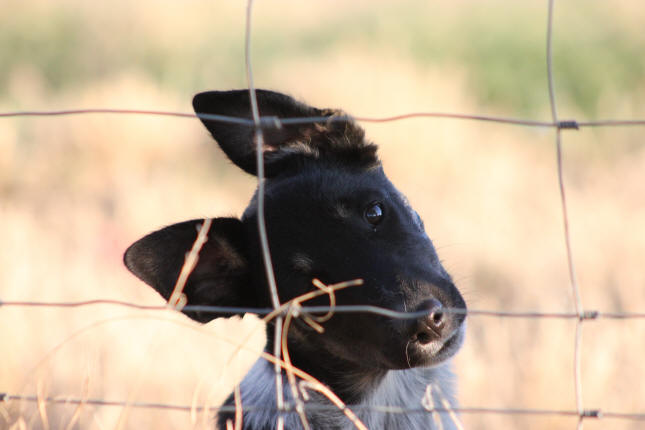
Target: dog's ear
<point x="286" y="146"/>
<point x="220" y="277"/>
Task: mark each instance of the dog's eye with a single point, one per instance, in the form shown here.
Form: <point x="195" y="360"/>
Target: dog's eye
<point x="374" y="213"/>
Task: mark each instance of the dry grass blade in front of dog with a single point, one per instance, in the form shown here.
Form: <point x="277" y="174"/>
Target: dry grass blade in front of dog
<point x="177" y="300"/>
<point x="321" y="388"/>
<point x="294" y="310"/>
<point x="428" y="403"/>
<point x="42" y="405"/>
<point x="239" y="412"/>
<point x="79" y="408"/>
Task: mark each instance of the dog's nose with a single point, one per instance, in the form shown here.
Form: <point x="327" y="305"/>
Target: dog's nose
<point x="430" y="326"/>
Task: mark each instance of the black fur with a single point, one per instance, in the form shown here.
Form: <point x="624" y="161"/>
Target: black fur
<point x="321" y="180"/>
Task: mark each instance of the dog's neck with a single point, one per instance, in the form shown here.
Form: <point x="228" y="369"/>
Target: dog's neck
<point x="351" y="381"/>
<point x="403" y="389"/>
<point x="366" y="390"/>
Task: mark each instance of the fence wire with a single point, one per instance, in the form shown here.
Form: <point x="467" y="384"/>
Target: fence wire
<point x="577" y="300"/>
<point x="280" y="311"/>
<point x="274" y="121"/>
<point x="65" y="400"/>
<point x="340" y="309"/>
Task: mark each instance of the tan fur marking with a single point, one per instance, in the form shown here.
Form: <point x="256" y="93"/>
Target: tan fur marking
<point x="302" y="262"/>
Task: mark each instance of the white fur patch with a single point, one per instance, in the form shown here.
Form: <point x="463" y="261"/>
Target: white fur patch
<point x="398" y="389"/>
<point x="341" y="211"/>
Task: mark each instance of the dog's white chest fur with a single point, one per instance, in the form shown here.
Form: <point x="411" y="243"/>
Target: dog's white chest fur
<point x="399" y="389"/>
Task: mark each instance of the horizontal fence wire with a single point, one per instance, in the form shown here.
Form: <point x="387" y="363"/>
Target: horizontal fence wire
<point x="588" y="413"/>
<point x="367" y="309"/>
<point x="276" y="122"/>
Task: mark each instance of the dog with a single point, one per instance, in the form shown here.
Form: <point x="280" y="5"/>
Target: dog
<point x="331" y="214"/>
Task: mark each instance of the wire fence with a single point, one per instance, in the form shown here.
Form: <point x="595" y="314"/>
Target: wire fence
<point x="65" y="400"/>
<point x="283" y="312"/>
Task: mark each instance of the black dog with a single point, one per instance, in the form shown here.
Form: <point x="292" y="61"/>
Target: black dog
<point x="331" y="214"/>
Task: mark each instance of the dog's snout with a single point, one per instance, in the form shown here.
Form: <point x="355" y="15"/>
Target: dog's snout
<point x="430" y="326"/>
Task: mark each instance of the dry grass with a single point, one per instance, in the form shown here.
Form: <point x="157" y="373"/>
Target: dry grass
<point x="76" y="191"/>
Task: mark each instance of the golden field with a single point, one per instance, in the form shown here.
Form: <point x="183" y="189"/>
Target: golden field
<point x="76" y="191"/>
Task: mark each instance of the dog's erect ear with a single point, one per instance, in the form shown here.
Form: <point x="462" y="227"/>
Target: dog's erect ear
<point x="286" y="146"/>
<point x="220" y="277"/>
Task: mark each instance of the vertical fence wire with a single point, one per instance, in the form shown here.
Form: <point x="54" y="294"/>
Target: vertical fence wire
<point x="264" y="242"/>
<point x="575" y="290"/>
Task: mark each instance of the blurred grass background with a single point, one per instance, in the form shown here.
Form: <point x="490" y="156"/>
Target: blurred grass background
<point x="76" y="191"/>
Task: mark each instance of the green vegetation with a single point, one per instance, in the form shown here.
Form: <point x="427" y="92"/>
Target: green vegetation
<point x="504" y="58"/>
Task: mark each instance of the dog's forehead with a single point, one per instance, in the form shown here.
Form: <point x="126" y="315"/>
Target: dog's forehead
<point x="336" y="188"/>
<point x="331" y="184"/>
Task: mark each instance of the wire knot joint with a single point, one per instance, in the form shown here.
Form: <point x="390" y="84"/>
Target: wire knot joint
<point x="589" y="315"/>
<point x="270" y="122"/>
<point x="570" y="124"/>
<point x="591" y="413"/>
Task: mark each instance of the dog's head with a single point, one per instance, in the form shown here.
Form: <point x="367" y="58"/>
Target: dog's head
<point x="331" y="214"/>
